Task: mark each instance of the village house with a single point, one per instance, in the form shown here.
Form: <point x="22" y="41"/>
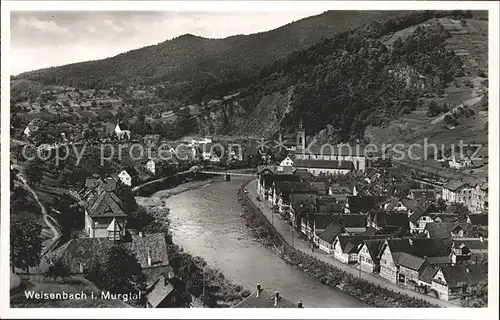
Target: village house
<point x="346" y="248"/>
<point x="287" y="162"/>
<point x="340" y="225"/>
<point x="326" y="238"/>
<point x="426" y="194"/>
<point x="387" y="222"/>
<point x="417" y="247"/>
<point x="344" y="189"/>
<point x="266" y="180"/>
<point x="168" y="292"/>
<point x="457" y="191"/>
<point x="479" y="201"/>
<point x="323" y="167"/>
<point x="341" y="154"/>
<point x="104" y="216"/>
<point x="445" y="230"/>
<point x="363" y="204"/>
<point x="469" y="249"/>
<point x="478" y="219"/>
<point x="282" y="190"/>
<point x="459" y="161"/>
<point x="447" y="281"/>
<point x="421" y="216"/>
<point x="81" y="254"/>
<point x="301" y="205"/>
<point x="313" y="224"/>
<point x="266" y="299"/>
<point x="33" y="127"/>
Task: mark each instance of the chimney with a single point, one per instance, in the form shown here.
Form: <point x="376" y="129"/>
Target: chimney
<point x="140" y="234"/>
<point x="149" y="258"/>
<point x="481" y="239"/>
<point x="276" y="297"/>
<point x="81" y="268"/>
<point x="299" y="304"/>
<point x="259" y="289"/>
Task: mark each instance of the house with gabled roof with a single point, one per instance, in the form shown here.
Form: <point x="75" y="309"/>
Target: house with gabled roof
<point x="324" y="167"/>
<point x="369" y="255"/>
<point x="446" y="230"/>
<point x="363" y="204"/>
<point x="425" y="194"/>
<point x="387" y="222"/>
<point x="282" y="190"/>
<point x="167" y="292"/>
<point x="448" y="280"/>
<point x="467" y="248"/>
<point x="417" y="247"/>
<point x="457" y="191"/>
<point x="326" y="237"/>
<point x="129" y="176"/>
<point x="347" y="247"/>
<point x="421" y="216"/>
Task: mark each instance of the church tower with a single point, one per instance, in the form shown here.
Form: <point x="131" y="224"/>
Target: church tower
<point x="301" y="136"/>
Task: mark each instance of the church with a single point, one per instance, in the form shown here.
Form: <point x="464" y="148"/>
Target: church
<point x="328" y="158"/>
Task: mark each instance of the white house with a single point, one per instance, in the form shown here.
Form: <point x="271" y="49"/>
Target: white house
<point x="458" y="161"/>
<point x="287" y="162"/>
<point x="457" y="191"/>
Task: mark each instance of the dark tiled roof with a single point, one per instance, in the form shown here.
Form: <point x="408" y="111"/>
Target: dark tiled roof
<point x="350" y="220"/>
<point x="330" y="232"/>
<point x="265" y="300"/>
<point x="322" y="221"/>
<point x="454" y="275"/>
<point x="421" y="247"/>
<point x="321" y="186"/>
<point x="364" y="203"/>
<point x="439" y="260"/>
<point x="86" y="251"/>
<point x="268" y="180"/>
<point x="409" y="261"/>
<point x="454" y="185"/>
<point x="423" y="194"/>
<point x="444" y="217"/>
<point x="104" y="204"/>
<point x="438" y="230"/>
<point x="298" y="199"/>
<point x="427" y="274"/>
<point x="154" y="243"/>
<point x="385" y="219"/>
<point x="161" y="289"/>
<point x="323" y="164"/>
<point x="423" y="207"/>
<point x="472" y="244"/>
<point x="375" y="247"/>
<point x="354" y="150"/>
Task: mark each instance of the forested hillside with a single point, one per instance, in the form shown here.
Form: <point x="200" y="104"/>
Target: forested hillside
<point x="353" y="79"/>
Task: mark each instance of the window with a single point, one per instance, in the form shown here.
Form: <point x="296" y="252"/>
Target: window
<point x="383" y="261"/>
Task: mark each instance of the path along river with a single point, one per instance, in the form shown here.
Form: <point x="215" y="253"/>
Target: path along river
<point x="207" y="222"/>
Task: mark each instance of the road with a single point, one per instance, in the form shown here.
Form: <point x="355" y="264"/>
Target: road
<point x="291" y="235"/>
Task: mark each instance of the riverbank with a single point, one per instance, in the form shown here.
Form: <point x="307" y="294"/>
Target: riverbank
<point x="298" y="256"/>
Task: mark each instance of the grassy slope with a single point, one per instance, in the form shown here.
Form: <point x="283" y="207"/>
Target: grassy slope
<point x="413" y="129"/>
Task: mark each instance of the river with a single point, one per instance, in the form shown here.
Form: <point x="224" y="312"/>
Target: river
<point x="206" y="222"/>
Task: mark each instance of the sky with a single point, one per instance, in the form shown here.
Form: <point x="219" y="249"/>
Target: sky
<point x="46" y="39"/>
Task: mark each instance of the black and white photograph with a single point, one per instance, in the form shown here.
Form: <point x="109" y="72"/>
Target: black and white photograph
<point x="269" y="155"/>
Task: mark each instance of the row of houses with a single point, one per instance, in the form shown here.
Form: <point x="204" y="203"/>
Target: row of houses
<point x="472" y="194"/>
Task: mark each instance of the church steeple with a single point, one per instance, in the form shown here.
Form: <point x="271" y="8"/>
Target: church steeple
<point x="301" y="136"/>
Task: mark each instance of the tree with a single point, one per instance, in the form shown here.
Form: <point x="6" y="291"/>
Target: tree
<point x="440" y="204"/>
<point x="26" y="242"/>
<point x="120" y="272"/>
<point x="58" y="270"/>
<point x="474" y="296"/>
